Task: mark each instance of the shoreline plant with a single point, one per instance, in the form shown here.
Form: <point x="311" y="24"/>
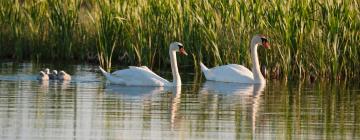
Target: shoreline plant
<point x="307" y="37"/>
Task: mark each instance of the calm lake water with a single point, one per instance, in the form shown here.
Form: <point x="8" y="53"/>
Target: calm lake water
<point x="89" y="108"/>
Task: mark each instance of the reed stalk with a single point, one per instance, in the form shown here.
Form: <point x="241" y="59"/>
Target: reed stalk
<point x="307" y="37"/>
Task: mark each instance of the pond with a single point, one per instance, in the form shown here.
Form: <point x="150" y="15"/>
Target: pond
<point x="88" y="107"/>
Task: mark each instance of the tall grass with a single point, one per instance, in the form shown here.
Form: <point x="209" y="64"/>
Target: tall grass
<point x="307" y="37"/>
<point x="109" y="27"/>
<point x="62" y="22"/>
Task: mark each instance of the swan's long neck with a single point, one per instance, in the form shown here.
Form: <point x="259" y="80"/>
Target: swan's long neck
<point x="174" y="69"/>
<point x="258" y="78"/>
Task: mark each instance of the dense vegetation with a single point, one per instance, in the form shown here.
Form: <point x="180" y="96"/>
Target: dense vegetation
<point x="307" y="37"/>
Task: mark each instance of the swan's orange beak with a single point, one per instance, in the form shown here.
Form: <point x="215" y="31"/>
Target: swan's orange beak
<point x="265" y="42"/>
<point x="182" y="51"/>
<point x="266" y="45"/>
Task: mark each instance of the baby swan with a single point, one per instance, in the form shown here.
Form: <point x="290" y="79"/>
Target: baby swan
<point x="47" y="71"/>
<point x="42" y="76"/>
<point x="53" y="75"/>
<point x="63" y="76"/>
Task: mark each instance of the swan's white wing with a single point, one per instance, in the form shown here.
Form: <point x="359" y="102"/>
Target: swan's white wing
<point x="230" y="73"/>
<point x="149" y="73"/>
<point x="139" y="76"/>
<point x="241" y="68"/>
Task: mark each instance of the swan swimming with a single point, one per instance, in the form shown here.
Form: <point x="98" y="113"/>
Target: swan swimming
<point x="238" y="73"/>
<point x="143" y="76"/>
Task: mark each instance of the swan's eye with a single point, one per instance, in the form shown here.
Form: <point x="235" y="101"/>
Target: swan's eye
<point x="265" y="43"/>
<point x="180" y="46"/>
<point x="264" y="40"/>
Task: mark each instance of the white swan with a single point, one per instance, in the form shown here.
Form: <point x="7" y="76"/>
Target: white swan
<point x="238" y="73"/>
<point x="143" y="76"/>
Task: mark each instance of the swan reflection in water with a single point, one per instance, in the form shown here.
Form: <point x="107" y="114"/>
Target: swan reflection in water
<point x="175" y="107"/>
<point x="64" y="84"/>
<point x="43" y="86"/>
<point x="134" y="91"/>
<point x="248" y="93"/>
<point x="145" y="92"/>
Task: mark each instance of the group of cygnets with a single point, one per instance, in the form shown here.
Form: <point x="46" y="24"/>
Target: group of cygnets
<point x="54" y="75"/>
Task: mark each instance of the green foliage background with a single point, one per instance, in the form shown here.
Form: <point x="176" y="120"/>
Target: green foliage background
<point x="307" y="37"/>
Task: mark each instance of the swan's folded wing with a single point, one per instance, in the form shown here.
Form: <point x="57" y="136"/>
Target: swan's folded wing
<point x="145" y="70"/>
<point x="241" y="69"/>
<point x="231" y="73"/>
<point x="140" y="76"/>
<point x="141" y="67"/>
<point x="149" y="76"/>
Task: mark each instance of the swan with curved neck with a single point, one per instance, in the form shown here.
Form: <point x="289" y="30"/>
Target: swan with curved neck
<point x="143" y="76"/>
<point x="238" y="73"/>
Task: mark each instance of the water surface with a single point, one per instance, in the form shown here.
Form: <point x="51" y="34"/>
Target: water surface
<point x="89" y="108"/>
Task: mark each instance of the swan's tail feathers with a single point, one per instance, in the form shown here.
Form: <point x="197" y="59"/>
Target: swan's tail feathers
<point x="206" y="71"/>
<point x="203" y="67"/>
<point x="106" y="74"/>
<point x="111" y="78"/>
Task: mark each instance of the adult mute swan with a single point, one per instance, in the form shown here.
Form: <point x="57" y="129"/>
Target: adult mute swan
<point x="238" y="73"/>
<point x="143" y="76"/>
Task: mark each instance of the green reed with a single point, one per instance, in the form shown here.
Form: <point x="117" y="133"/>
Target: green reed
<point x="109" y="27"/>
<point x="308" y="38"/>
<point x="62" y="19"/>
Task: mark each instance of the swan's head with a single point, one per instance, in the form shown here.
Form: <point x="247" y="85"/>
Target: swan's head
<point x="47" y="71"/>
<point x="61" y="73"/>
<point x="55" y="72"/>
<point x="42" y="74"/>
<point x="261" y="40"/>
<point x="178" y="47"/>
